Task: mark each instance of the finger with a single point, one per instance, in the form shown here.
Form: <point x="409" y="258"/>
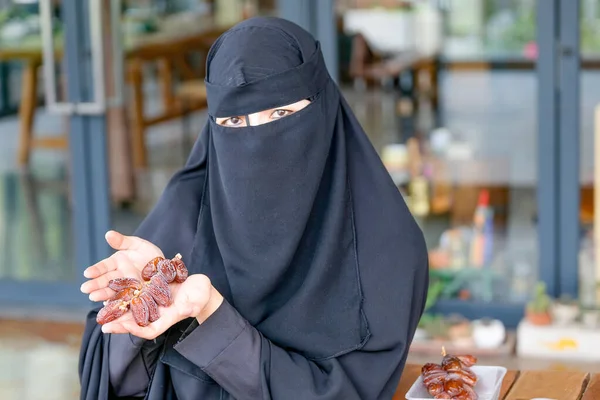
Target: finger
<point x="149" y="332"/>
<point x="100" y="283"/>
<point x="102" y="294"/>
<point x="101" y="268"/>
<point x="118" y="241"/>
<point x="117" y="326"/>
<point x="114" y="327"/>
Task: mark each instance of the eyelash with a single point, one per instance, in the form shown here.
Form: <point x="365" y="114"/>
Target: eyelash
<point x="286" y="112"/>
<point x="242" y="119"/>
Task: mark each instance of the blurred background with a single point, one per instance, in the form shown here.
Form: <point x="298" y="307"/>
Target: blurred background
<point x="484" y="112"/>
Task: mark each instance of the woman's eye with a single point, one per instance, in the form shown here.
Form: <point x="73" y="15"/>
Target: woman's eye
<point x="233" y="121"/>
<point x="280" y="113"/>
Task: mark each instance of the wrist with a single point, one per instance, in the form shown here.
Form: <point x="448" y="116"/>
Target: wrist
<point x="215" y="300"/>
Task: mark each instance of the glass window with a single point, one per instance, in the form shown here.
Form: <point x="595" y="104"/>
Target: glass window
<point x="457" y="130"/>
<point x="589" y="267"/>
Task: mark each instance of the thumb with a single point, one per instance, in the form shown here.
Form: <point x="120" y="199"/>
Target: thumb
<point x="118" y="241"/>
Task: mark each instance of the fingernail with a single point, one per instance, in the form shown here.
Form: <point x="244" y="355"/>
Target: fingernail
<point x="86" y="273"/>
<point x="82" y="288"/>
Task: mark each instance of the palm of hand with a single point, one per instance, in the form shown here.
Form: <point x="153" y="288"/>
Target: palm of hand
<point x="132" y="256"/>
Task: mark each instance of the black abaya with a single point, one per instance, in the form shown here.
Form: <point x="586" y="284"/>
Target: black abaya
<point x="300" y="228"/>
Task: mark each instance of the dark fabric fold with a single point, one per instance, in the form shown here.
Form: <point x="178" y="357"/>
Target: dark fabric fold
<point x="93" y="365"/>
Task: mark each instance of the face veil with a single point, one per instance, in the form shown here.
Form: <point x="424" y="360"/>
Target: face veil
<point x="287" y="218"/>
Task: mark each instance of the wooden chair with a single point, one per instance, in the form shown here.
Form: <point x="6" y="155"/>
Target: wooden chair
<point x="193" y="91"/>
<point x="192" y="97"/>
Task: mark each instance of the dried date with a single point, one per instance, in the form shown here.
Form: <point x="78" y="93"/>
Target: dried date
<point x="435" y="388"/>
<point x="153" y="313"/>
<point x="125" y="294"/>
<point x="452" y="386"/>
<point x="159" y="290"/>
<point x="151" y="268"/>
<point x="111" y="311"/>
<point x="469" y="393"/>
<point x="430" y="367"/>
<point x="451" y="363"/>
<point x="466" y="376"/>
<point x="167" y="269"/>
<point x="434" y="377"/>
<point x="119" y="284"/>
<point x="139" y="309"/>
<point x="467" y="360"/>
<point x="180" y="269"/>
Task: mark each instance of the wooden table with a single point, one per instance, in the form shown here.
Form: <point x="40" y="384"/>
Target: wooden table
<point x="167" y="50"/>
<point x="525" y="385"/>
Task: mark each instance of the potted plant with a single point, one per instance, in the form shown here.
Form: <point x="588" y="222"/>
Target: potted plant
<point x="537" y="311"/>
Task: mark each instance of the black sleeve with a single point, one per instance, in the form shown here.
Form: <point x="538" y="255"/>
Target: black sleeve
<point x="249" y="366"/>
<point x="131" y="362"/>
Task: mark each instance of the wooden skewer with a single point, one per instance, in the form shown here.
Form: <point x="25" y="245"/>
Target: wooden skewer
<point x="443" y="351"/>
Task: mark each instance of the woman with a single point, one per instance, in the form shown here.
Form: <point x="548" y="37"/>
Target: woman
<point x="308" y="275"/>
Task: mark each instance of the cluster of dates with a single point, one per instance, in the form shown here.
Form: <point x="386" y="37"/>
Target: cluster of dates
<point x="143" y="298"/>
<point x="452" y="379"/>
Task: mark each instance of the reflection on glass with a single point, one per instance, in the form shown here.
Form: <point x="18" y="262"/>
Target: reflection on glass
<point x="36" y="230"/>
<point x="589" y="268"/>
<point x="467" y="166"/>
<point x="490" y="28"/>
<point x="589" y="28"/>
<point x="36" y="238"/>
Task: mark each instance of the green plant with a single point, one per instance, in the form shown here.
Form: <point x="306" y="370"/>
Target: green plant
<point x="541" y="302"/>
<point x="590" y="37"/>
<point x="521" y="32"/>
<point x="436" y="287"/>
<point x="436" y="327"/>
<point x="433" y="293"/>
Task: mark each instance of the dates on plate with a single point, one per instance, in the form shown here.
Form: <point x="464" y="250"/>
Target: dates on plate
<point x="452" y="378"/>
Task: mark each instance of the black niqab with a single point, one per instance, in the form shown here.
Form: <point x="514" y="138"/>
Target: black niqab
<point x="283" y="216"/>
<point x="276" y="235"/>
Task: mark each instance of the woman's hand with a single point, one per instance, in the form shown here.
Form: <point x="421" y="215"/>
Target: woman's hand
<point x="194" y="298"/>
<point x="132" y="256"/>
